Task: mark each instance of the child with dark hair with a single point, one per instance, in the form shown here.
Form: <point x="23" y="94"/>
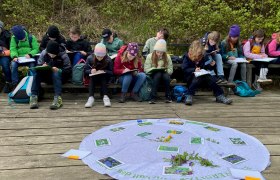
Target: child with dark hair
<point x="111" y="41"/>
<point x="52" y="33"/>
<point x="57" y="71"/>
<point x="77" y="47"/>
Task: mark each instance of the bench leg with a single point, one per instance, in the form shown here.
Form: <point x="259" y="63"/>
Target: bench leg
<point x="249" y="75"/>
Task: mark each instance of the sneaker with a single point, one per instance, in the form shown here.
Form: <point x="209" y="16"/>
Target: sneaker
<point x="7" y="88"/>
<point x="152" y="101"/>
<point x="135" y="97"/>
<point x="33" y="103"/>
<point x="188" y="100"/>
<point x="221" y="80"/>
<point x="90" y="102"/>
<point x="223" y="99"/>
<point x="57" y="103"/>
<point x="257" y="86"/>
<point x="106" y="100"/>
<point x="123" y="97"/>
<point x="168" y="99"/>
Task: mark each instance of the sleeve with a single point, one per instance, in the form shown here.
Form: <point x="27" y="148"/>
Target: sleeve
<point x="68" y="45"/>
<point x="13" y="48"/>
<point x="88" y="48"/>
<point x="188" y="71"/>
<point x="109" y="69"/>
<point x="40" y="60"/>
<point x="240" y="51"/>
<point x="247" y="51"/>
<point x="272" y="49"/>
<point x="35" y="46"/>
<point x="140" y="68"/>
<point x="118" y="69"/>
<point x="263" y="51"/>
<point x="170" y="65"/>
<point x="88" y="65"/>
<point x="43" y="44"/>
<point x="146" y="47"/>
<point x="224" y="51"/>
<point x="148" y="64"/>
<point x="66" y="64"/>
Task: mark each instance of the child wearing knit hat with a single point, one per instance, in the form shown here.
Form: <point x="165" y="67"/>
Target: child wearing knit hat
<point x="54" y="68"/>
<point x="231" y="49"/>
<point x="22" y="44"/>
<point x="128" y="65"/>
<point x="99" y="68"/>
<point x="52" y="33"/>
<point x="159" y="66"/>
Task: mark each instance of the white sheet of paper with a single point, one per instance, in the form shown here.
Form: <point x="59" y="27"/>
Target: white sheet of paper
<point x="96" y="73"/>
<point x="201" y="73"/>
<point x="241" y="173"/>
<point x="74" y="152"/>
<point x="113" y="56"/>
<point x="25" y="60"/>
<point x="264" y="59"/>
<point x="240" y="60"/>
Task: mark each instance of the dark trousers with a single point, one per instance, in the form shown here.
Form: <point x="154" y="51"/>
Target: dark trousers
<point x="208" y="80"/>
<point x="157" y="78"/>
<point x="259" y="65"/>
<point x="103" y="79"/>
<point x="49" y="77"/>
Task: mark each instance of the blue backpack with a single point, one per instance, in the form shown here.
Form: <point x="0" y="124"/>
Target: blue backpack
<point x="22" y="93"/>
<point x="242" y="89"/>
<point x="179" y="93"/>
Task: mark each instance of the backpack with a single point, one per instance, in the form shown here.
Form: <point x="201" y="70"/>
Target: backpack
<point x="179" y="93"/>
<point x="22" y="93"/>
<point x="78" y="72"/>
<point x="242" y="89"/>
<point x="146" y="89"/>
<point x="203" y="40"/>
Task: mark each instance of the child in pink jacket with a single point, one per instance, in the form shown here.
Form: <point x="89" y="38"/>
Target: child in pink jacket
<point x="274" y="47"/>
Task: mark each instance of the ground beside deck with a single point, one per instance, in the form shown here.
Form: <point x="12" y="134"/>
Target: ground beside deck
<point x="33" y="140"/>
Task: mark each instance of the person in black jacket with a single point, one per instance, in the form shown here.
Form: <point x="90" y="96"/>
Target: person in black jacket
<point x="99" y="67"/>
<point x="53" y="33"/>
<point x="54" y="67"/>
<point x="5" y="38"/>
<point x="77" y="46"/>
<point x="193" y="63"/>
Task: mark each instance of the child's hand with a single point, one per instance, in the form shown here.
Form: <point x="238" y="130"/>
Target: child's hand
<point x="126" y="70"/>
<point x="197" y="69"/>
<point x="83" y="53"/>
<point x="67" y="51"/>
<point x="45" y="64"/>
<point x="27" y="56"/>
<point x="263" y="55"/>
<point x="15" y="59"/>
<point x="55" y="69"/>
<point x="213" y="63"/>
<point x="232" y="58"/>
<point x="100" y="71"/>
<point x="93" y="71"/>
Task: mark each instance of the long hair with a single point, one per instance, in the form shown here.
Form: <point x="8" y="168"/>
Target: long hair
<point x="231" y="45"/>
<point x="155" y="59"/>
<point x="136" y="59"/>
<point x="258" y="34"/>
<point x="196" y="51"/>
<point x="215" y="36"/>
<point x="278" y="38"/>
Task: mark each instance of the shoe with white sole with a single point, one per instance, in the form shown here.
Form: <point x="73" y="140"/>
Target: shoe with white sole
<point x="90" y="102"/>
<point x="106" y="100"/>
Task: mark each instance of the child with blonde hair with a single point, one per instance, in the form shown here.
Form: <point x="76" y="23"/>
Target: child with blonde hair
<point x="194" y="61"/>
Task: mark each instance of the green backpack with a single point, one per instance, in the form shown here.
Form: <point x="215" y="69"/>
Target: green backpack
<point x="146" y="89"/>
<point x="78" y="72"/>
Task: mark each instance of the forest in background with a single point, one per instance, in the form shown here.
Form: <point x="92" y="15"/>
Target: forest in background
<point x="139" y="20"/>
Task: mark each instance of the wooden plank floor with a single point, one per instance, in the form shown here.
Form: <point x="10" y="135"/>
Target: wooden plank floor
<point x="33" y="140"/>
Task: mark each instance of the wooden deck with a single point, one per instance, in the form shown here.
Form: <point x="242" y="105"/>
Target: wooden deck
<point x="33" y="140"/>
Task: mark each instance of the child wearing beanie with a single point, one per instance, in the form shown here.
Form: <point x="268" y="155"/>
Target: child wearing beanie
<point x="194" y="61"/>
<point x="99" y="68"/>
<point x="231" y="49"/>
<point x="159" y="66"/>
<point x="52" y="33"/>
<point x="5" y="38"/>
<point x="22" y="45"/>
<point x="56" y="69"/>
<point x="128" y="65"/>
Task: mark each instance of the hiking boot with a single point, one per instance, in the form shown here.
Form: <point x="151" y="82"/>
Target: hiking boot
<point x="106" y="100"/>
<point x="57" y="103"/>
<point x="223" y="99"/>
<point x="123" y="97"/>
<point x="152" y="101"/>
<point x="168" y="99"/>
<point x="90" y="102"/>
<point x="135" y="97"/>
<point x="188" y="100"/>
<point x="7" y="88"/>
<point x="33" y="102"/>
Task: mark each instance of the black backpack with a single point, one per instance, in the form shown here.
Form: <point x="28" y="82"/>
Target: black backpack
<point x="203" y="40"/>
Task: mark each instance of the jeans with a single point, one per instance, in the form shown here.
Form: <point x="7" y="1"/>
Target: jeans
<point x="5" y="63"/>
<point x="219" y="64"/>
<point x="136" y="81"/>
<point x="103" y="79"/>
<point x="233" y="68"/>
<point x="196" y="82"/>
<point x="157" y="77"/>
<point x="49" y="77"/>
<point x="15" y="66"/>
